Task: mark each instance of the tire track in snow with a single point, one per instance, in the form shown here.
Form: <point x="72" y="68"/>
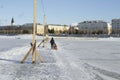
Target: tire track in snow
<point x="48" y="70"/>
<point x="88" y="74"/>
<point x="102" y="71"/>
<point x="71" y="71"/>
<point x="16" y="71"/>
<point x="37" y="72"/>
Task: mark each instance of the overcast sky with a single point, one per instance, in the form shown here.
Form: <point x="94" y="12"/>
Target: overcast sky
<point x="59" y="11"/>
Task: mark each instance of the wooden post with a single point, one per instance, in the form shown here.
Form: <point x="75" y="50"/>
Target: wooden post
<point x="34" y="24"/>
<point x="34" y="33"/>
<point x="33" y="46"/>
<point x="43" y="30"/>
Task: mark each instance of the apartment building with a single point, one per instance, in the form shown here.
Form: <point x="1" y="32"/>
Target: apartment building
<point x="116" y="26"/>
<point x="41" y="29"/>
<point x="94" y="27"/>
<point x="57" y="28"/>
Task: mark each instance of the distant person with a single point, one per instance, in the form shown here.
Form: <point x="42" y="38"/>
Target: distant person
<point x="52" y="42"/>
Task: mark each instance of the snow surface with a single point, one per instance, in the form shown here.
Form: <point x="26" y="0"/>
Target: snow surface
<point x="76" y="59"/>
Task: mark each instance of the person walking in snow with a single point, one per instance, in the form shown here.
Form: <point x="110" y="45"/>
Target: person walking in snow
<point x="52" y="42"/>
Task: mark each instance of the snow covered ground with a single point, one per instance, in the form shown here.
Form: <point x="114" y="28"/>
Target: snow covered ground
<point x="75" y="59"/>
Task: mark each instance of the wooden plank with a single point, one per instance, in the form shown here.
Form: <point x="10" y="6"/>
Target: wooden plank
<point x="40" y="43"/>
<point x="34" y="54"/>
<point x="26" y="55"/>
<point x="39" y="57"/>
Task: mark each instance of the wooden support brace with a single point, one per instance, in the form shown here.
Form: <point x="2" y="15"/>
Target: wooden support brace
<point x="33" y="48"/>
<point x="33" y="58"/>
<point x="26" y="55"/>
<point x="39" y="57"/>
<point x="34" y="53"/>
<point x="41" y="43"/>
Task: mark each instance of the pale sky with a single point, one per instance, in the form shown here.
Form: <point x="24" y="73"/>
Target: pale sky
<point x="59" y="11"/>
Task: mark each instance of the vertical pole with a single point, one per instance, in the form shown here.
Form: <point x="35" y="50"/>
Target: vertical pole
<point x="34" y="23"/>
<point x="34" y="34"/>
<point x="33" y="48"/>
<point x="43" y="30"/>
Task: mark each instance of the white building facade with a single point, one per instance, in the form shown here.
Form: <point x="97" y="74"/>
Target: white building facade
<point x="41" y="29"/>
<point x="94" y="27"/>
<point x="57" y="28"/>
<point x="116" y="26"/>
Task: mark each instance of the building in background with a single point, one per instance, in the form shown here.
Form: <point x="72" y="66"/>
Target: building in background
<point x="74" y="28"/>
<point x="41" y="29"/>
<point x="8" y="29"/>
<point x="58" y="29"/>
<point x="94" y="27"/>
<point x="12" y="22"/>
<point x="109" y="28"/>
<point x="116" y="26"/>
<point x="17" y="29"/>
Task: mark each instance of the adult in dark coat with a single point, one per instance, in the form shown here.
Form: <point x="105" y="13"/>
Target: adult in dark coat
<point x="52" y="41"/>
